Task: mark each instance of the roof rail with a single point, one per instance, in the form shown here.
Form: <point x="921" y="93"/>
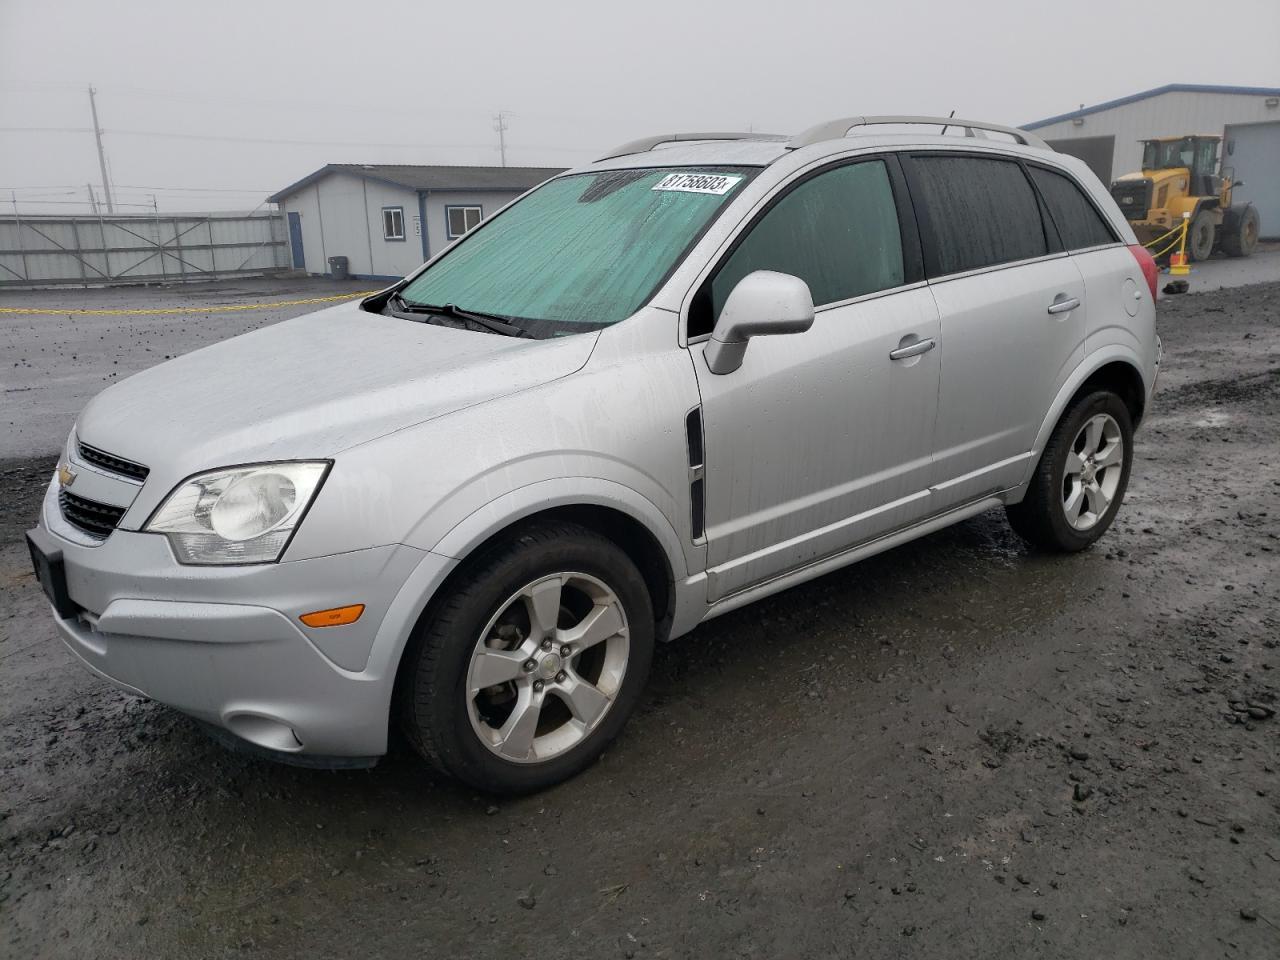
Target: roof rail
<point x="836" y="129"/>
<point x="645" y="144"/>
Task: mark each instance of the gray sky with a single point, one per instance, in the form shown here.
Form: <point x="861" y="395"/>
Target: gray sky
<point x="203" y="99"/>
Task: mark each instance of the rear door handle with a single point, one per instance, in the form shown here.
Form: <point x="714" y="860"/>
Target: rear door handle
<point x="913" y="349"/>
<point x="1064" y="304"/>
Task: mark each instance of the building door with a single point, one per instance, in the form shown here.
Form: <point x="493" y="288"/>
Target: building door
<point x="295" y="241"/>
<point x="1097" y="152"/>
<point x="1254" y="154"/>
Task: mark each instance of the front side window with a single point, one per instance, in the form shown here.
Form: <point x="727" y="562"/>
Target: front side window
<point x="837" y="231"/>
<point x="976" y="212"/>
<point x="393" y="223"/>
<point x="582" y="251"/>
<point x="1078" y="221"/>
<point x="461" y="219"/>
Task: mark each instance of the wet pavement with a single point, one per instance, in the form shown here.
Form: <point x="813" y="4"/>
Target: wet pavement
<point x="53" y="364"/>
<point x="956" y="749"/>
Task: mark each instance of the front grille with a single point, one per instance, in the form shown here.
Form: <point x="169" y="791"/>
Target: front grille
<point x="111" y="463"/>
<point x="95" y="519"/>
<point x="1133" y="197"/>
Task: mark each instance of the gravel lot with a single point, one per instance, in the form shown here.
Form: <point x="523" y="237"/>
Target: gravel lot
<point x="956" y="749"/>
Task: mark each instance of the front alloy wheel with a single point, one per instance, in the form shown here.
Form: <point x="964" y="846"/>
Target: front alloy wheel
<point x="530" y="661"/>
<point x="547" y="667"/>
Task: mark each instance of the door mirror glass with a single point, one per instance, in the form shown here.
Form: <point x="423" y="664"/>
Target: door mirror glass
<point x="763" y="303"/>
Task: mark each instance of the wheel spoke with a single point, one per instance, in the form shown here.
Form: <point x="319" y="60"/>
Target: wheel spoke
<point x="1098" y="500"/>
<point x="519" y="730"/>
<point x="1074" y="502"/>
<point x="543" y="601"/>
<point x="1093" y="435"/>
<point x="585" y="700"/>
<point x="1074" y="464"/>
<point x="1112" y="456"/>
<point x="492" y="667"/>
<point x="601" y="623"/>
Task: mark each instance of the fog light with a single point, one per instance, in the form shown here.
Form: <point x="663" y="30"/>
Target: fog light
<point x="337" y="617"/>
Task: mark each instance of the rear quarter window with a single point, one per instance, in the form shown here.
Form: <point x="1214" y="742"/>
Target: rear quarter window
<point x="1079" y="223"/>
<point x="975" y="212"/>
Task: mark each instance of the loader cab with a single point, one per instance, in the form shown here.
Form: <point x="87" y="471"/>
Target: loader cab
<point x="1196" y="154"/>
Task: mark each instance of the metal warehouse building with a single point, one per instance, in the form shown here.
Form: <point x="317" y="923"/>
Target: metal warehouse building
<point x="386" y="219"/>
<point x="1106" y="136"/>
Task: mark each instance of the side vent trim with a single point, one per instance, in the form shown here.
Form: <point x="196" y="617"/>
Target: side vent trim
<point x="697" y="468"/>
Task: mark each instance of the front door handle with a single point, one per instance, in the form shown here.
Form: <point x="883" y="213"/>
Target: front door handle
<point x="1064" y="304"/>
<point x="913" y="349"/>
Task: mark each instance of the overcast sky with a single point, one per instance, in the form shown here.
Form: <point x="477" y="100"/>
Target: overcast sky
<point x="213" y="105"/>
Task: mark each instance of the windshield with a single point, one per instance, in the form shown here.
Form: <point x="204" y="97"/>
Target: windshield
<point x="1167" y="154"/>
<point x="582" y="251"/>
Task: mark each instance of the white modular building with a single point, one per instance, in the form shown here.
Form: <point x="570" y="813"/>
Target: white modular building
<point x="387" y="219"/>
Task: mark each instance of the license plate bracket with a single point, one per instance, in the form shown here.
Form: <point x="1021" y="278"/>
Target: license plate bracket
<point x="47" y="563"/>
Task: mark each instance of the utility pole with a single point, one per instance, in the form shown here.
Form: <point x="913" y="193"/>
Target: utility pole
<point x="500" y="126"/>
<point x="102" y="157"/>
<point x="93" y="201"/>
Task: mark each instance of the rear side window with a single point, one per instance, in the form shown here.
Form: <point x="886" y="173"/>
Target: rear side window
<point x="838" y="232"/>
<point x="1079" y="223"/>
<point x="974" y="212"/>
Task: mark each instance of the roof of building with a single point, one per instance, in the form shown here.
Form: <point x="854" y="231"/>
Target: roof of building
<point x="1156" y="92"/>
<point x="431" y="177"/>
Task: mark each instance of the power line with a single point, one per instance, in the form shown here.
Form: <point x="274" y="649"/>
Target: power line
<point x="219" y="138"/>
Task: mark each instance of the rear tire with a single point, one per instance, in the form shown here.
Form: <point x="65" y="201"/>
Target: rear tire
<point x="1080" y="481"/>
<point x="1240" y="232"/>
<point x="532" y="663"/>
<point x="1200" y="237"/>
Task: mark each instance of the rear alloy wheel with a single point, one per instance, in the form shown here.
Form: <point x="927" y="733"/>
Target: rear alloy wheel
<point x="1091" y="475"/>
<point x="532" y="661"/>
<point x="1080" y="481"/>
<point x="1200" y="237"/>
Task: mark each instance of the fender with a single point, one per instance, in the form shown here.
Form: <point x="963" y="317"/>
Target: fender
<point x="1091" y="364"/>
<point x="473" y="530"/>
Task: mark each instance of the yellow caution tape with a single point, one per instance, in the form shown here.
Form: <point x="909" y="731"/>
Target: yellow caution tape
<point x="1170" y="233"/>
<point x="77" y="312"/>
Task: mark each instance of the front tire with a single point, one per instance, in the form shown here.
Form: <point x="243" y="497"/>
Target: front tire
<point x="1081" y="478"/>
<point x="1200" y="237"/>
<point x="532" y="663"/>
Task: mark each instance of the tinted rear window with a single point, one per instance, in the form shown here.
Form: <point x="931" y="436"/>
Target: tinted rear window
<point x="977" y="212"/>
<point x="1079" y="223"/>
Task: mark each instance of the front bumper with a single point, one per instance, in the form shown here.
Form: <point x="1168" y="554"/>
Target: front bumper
<point x="224" y="644"/>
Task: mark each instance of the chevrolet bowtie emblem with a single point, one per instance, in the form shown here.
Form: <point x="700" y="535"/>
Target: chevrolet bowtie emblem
<point x="66" y="476"/>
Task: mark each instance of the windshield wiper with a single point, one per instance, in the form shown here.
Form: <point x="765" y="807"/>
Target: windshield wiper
<point x="486" y="320"/>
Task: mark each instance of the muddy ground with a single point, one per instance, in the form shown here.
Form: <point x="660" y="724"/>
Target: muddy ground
<point x="956" y="749"/>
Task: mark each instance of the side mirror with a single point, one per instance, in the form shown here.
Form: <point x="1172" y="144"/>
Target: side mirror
<point x="763" y="303"/>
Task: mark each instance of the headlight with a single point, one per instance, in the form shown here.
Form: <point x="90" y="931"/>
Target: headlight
<point x="237" y="515"/>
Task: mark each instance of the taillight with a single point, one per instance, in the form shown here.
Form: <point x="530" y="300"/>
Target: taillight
<point x="1148" y="265"/>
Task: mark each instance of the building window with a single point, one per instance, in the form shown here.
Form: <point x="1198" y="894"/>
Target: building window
<point x="462" y="219"/>
<point x="393" y="223"/>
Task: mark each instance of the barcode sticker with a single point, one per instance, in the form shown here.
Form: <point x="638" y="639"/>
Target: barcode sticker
<point x="713" y="183"/>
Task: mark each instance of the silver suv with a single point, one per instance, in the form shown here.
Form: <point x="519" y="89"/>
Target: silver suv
<point x="701" y="370"/>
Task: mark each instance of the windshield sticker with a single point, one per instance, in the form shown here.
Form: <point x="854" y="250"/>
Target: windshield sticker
<point x="713" y="183"/>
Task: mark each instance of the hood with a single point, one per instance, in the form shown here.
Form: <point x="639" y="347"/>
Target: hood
<point x="312" y="387"/>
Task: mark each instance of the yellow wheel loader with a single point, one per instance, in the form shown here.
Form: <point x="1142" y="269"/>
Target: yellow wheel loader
<point x="1181" y="175"/>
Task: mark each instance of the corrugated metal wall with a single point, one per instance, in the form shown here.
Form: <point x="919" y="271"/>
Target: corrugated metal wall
<point x="1164" y="115"/>
<point x="36" y="251"/>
